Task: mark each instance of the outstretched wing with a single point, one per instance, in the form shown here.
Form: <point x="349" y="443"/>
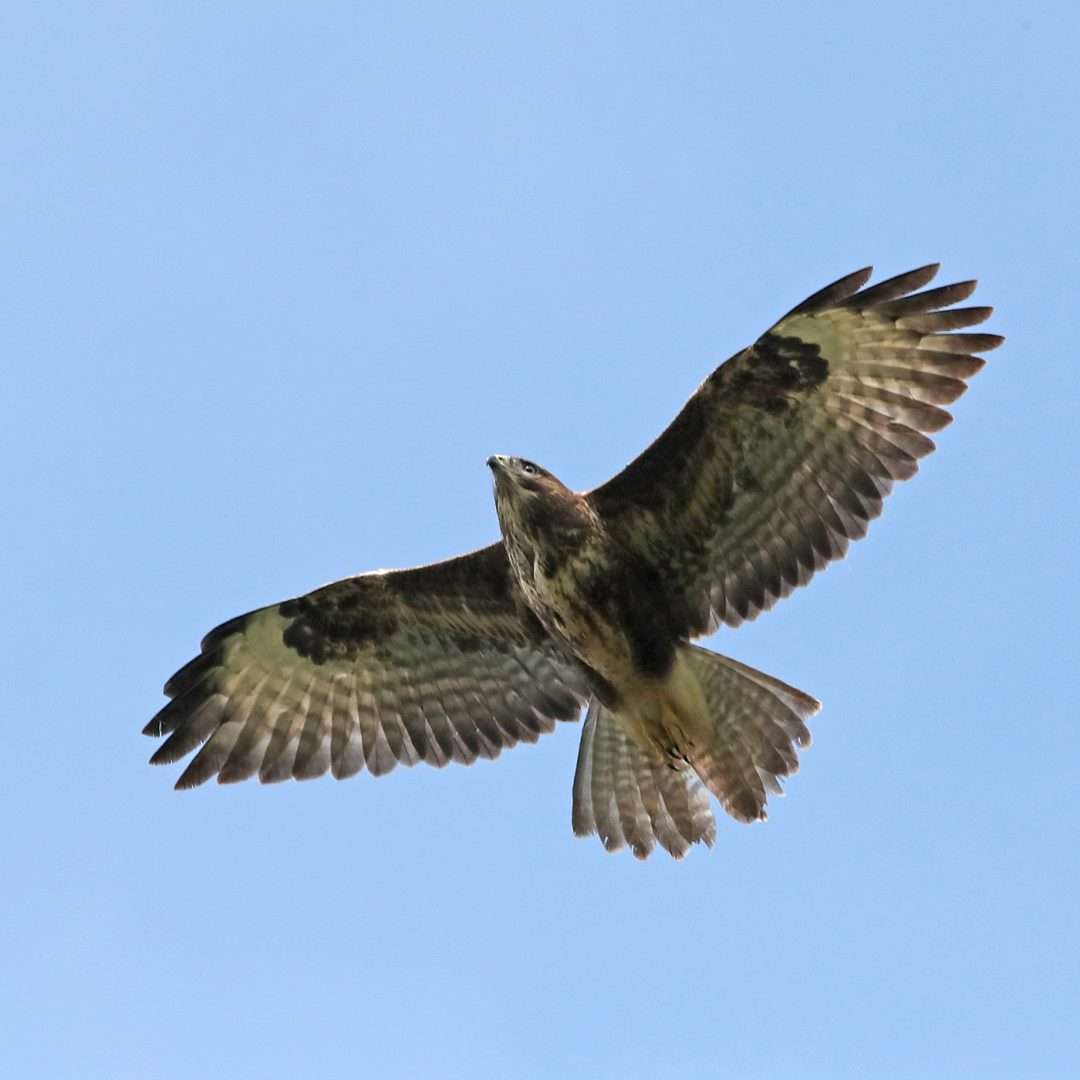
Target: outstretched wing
<point x="785" y="453"/>
<point x="439" y="663"/>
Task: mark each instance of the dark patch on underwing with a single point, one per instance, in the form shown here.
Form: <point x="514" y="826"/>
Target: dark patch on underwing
<point x="335" y="622"/>
<point x="774" y="370"/>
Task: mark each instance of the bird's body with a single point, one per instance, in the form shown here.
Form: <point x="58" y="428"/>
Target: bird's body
<point x="780" y="458"/>
<point x="603" y="603"/>
<point x="587" y="592"/>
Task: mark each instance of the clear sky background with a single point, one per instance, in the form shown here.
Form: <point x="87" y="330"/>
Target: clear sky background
<point x="277" y="278"/>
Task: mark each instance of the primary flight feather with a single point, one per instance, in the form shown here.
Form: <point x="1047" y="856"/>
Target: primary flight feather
<point x="780" y="458"/>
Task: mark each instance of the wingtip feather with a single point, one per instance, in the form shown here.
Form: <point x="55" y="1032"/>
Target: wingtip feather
<point x="832" y="294"/>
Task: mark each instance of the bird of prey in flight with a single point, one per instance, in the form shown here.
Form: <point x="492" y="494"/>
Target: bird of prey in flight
<point x="591" y="601"/>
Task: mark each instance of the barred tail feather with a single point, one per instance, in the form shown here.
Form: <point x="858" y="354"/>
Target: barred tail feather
<point x="755" y="723"/>
<point x="631" y="797"/>
<point x="741" y="729"/>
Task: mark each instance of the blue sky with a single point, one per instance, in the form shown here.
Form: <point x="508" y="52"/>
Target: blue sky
<point x="277" y="279"/>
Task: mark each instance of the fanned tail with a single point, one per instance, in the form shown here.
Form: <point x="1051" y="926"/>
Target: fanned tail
<point x="745" y="743"/>
<point x="630" y="796"/>
<point x="755" y="723"/>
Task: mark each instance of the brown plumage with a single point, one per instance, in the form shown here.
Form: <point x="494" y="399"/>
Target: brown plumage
<point x="780" y="458"/>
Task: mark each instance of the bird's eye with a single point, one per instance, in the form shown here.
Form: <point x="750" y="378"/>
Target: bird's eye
<point x="529" y="469"/>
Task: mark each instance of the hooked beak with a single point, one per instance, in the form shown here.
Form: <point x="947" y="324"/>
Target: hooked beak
<point x="496" y="463"/>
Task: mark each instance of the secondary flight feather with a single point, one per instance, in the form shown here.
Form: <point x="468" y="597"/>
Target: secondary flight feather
<point x="591" y="601"/>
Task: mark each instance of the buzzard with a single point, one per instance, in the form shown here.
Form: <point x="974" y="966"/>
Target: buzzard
<point x="780" y="458"/>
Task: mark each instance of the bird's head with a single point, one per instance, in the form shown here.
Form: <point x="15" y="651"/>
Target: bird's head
<point x="520" y="483"/>
<point x="514" y="473"/>
<point x="527" y="494"/>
